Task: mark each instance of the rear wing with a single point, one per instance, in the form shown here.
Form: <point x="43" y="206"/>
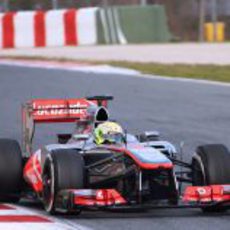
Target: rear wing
<point x="56" y="111"/>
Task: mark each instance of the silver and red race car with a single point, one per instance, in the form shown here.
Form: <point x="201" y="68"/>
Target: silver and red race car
<point x="75" y="174"/>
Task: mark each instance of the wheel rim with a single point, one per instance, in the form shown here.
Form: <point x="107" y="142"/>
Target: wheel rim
<point x="48" y="187"/>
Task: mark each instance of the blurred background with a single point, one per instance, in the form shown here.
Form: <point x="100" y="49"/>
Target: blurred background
<point x="186" y="18"/>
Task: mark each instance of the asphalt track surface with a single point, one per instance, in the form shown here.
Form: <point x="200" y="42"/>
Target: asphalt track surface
<point x="182" y="111"/>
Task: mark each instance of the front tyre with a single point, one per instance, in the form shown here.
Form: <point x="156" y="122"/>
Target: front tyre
<point x="63" y="169"/>
<point x="211" y="166"/>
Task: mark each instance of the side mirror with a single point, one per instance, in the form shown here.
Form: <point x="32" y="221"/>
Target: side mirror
<point x="149" y="136"/>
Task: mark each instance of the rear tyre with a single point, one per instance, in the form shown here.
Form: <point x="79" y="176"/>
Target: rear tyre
<point x="63" y="169"/>
<point x="10" y="170"/>
<point x="211" y="167"/>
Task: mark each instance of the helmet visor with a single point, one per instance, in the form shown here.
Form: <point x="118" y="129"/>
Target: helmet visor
<point x="114" y="138"/>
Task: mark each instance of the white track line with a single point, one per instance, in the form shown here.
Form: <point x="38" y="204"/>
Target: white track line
<point x="102" y="69"/>
<point x="181" y="79"/>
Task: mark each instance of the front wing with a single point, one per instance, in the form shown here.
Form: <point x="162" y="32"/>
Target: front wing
<point x="110" y="199"/>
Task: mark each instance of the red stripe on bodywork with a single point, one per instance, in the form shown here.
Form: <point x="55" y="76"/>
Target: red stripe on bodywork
<point x="8" y="30"/>
<point x="70" y="27"/>
<point x="24" y="218"/>
<point x="5" y="207"/>
<point x="39" y="29"/>
<point x="33" y="172"/>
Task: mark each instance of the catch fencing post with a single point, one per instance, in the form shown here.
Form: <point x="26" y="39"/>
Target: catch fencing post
<point x="143" y="2"/>
<point x="214" y="19"/>
<point x="6" y="5"/>
<point x="202" y="12"/>
<point x="55" y="4"/>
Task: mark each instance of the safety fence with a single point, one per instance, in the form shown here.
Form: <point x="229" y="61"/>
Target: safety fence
<point x="132" y="24"/>
<point x="184" y="16"/>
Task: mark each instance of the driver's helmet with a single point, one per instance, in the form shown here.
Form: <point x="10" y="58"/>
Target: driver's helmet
<point x="108" y="133"/>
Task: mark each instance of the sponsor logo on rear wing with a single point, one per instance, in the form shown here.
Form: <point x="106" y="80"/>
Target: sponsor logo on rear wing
<point x="59" y="110"/>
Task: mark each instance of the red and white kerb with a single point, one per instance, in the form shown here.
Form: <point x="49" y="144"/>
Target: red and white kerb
<point x="51" y="28"/>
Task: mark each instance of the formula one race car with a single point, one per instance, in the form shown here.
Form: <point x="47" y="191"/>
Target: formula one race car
<point x="76" y="174"/>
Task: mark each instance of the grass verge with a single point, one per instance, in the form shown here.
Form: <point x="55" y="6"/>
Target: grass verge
<point x="204" y="72"/>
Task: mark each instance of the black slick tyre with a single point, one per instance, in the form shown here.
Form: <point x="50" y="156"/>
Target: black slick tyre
<point x="63" y="169"/>
<point x="211" y="167"/>
<point x="10" y="170"/>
